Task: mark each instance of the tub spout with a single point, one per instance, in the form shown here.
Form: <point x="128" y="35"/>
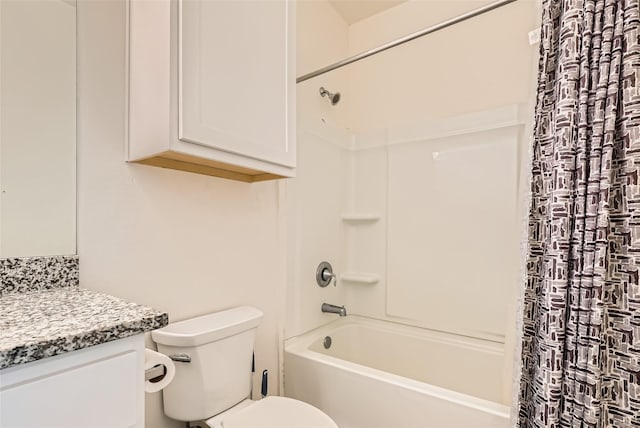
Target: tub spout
<point x="333" y="309"/>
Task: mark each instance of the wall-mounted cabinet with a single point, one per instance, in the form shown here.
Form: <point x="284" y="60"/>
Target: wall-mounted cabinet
<point x="212" y="87"/>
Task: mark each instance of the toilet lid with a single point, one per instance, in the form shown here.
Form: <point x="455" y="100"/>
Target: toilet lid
<point x="278" y="412"/>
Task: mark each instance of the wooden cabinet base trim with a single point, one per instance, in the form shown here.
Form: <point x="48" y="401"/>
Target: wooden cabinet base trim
<point x="207" y="167"/>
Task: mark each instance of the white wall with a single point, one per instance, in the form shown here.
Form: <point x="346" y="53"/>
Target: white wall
<point x="475" y="65"/>
<point x="37" y="128"/>
<point x="184" y="243"/>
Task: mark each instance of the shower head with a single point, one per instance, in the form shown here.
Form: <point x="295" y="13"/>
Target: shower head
<point x="334" y="98"/>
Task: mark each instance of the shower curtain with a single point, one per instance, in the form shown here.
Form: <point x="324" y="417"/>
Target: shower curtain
<point x="581" y="303"/>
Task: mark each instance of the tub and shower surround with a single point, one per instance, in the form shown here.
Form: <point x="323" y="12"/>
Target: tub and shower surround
<point x="395" y="188"/>
<point x="419" y="216"/>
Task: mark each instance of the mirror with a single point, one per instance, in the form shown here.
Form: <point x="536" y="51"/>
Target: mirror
<point x="37" y="128"/>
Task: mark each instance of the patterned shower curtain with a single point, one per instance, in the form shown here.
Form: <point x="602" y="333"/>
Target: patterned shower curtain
<point x="581" y="308"/>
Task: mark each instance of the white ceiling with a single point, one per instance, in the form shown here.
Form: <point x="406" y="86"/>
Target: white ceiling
<point x="356" y="10"/>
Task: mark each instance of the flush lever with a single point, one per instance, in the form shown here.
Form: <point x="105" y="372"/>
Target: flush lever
<point x="183" y="358"/>
<point x="324" y="274"/>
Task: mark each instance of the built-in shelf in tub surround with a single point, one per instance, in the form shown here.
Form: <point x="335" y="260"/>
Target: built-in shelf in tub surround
<point x="28" y="274"/>
<point x="360" y="277"/>
<point x="45" y="323"/>
<point x="360" y="217"/>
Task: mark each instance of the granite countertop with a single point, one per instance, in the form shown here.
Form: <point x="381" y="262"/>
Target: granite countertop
<point x="45" y="323"/>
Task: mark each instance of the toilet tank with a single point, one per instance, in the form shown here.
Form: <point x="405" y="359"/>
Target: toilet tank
<point x="220" y="346"/>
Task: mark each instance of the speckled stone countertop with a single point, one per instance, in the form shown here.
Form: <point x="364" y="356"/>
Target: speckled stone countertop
<point x="28" y="274"/>
<point x="45" y="323"/>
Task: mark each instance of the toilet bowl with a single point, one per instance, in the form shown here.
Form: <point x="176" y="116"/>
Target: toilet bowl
<point x="272" y="412"/>
<point x="213" y="355"/>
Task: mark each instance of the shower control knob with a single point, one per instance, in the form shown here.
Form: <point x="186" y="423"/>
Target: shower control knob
<point x="324" y="274"/>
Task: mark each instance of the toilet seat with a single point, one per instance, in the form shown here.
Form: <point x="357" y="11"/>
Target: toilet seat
<point x="273" y="412"/>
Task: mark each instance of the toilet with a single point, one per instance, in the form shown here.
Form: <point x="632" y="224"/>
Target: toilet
<point x="213" y="355"/>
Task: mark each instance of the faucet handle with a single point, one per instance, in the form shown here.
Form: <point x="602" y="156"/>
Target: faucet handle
<point x="328" y="276"/>
<point x="324" y="275"/>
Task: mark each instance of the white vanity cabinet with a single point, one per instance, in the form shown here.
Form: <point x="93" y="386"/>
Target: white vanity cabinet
<point x="99" y="386"/>
<point x="211" y="87"/>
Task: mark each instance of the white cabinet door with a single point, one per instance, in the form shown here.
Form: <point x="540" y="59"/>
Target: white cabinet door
<point x="101" y="386"/>
<point x="211" y="87"/>
<point x="234" y="77"/>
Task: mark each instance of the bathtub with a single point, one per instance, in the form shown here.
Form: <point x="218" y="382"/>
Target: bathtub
<point x="382" y="374"/>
